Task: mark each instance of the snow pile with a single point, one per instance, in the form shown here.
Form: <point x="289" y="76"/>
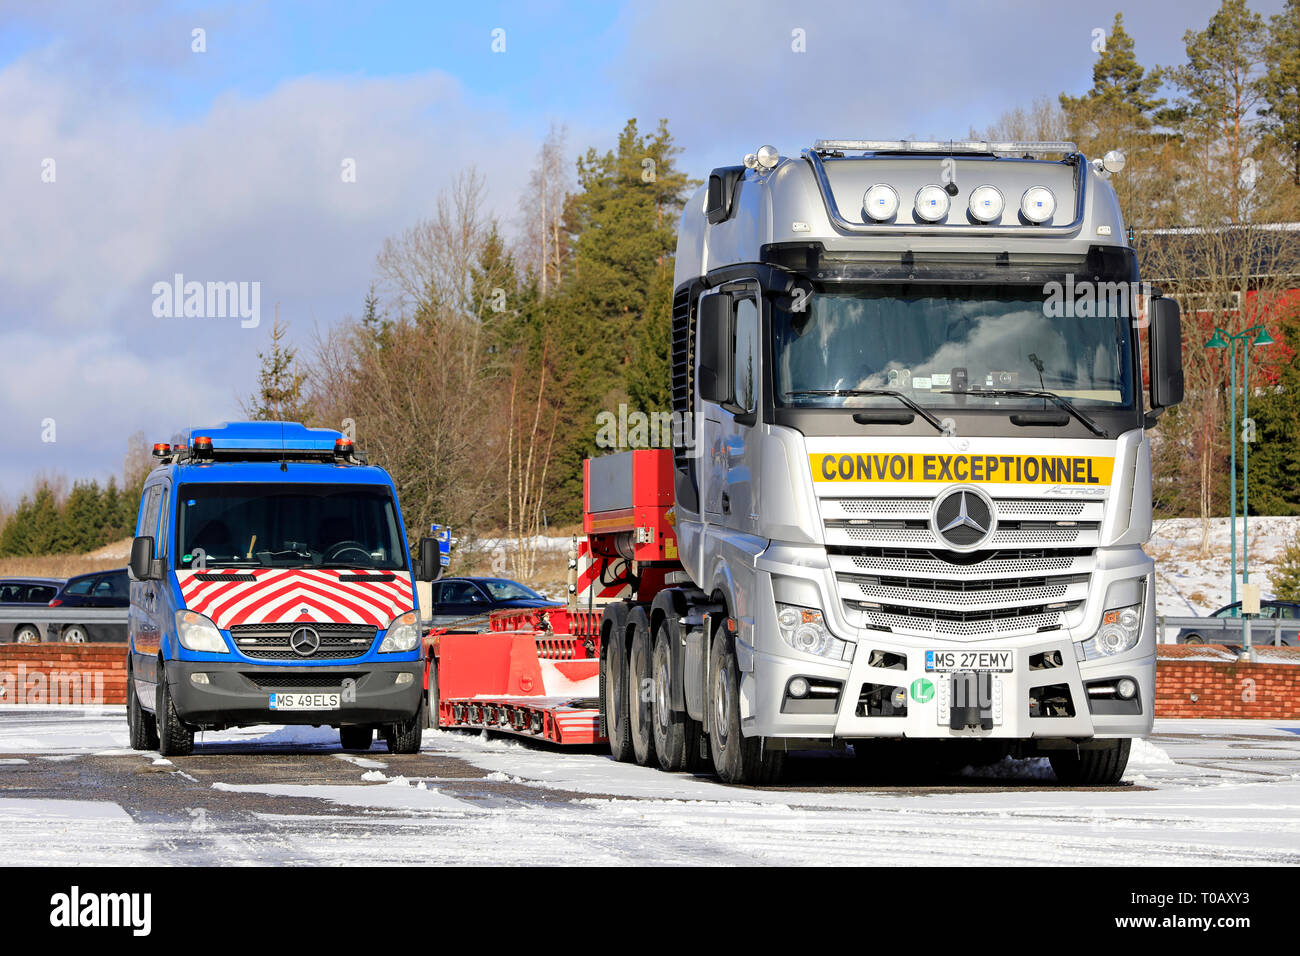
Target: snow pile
<point x="1188" y="582"/>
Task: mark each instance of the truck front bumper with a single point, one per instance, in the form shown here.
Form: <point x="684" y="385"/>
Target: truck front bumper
<point x="238" y="694"/>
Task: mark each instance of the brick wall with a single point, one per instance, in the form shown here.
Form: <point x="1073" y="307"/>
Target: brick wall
<point x="43" y="674"/>
<point x="1210" y="681"/>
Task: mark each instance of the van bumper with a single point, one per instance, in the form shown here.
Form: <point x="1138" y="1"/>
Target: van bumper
<point x="238" y="694"/>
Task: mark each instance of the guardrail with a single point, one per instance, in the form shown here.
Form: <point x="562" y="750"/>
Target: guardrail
<point x="43" y="617"/>
<point x="1230" y="629"/>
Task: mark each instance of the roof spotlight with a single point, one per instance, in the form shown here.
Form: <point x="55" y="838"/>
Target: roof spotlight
<point x="767" y="157"/>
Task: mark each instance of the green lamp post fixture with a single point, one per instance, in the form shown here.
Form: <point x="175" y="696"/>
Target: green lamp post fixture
<point x="1255" y="335"/>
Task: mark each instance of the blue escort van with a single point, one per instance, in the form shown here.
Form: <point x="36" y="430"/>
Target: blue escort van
<point x="271" y="584"/>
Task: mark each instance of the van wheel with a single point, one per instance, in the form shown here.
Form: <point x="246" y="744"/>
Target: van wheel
<point x="74" y="634"/>
<point x="639" y="682"/>
<point x="614" y="700"/>
<point x="674" y="732"/>
<point x="27" y="634"/>
<point x="175" y="738"/>
<point x="405" y="737"/>
<point x="737" y="759"/>
<point x="356" y="738"/>
<point x="1099" y="767"/>
<point x="140" y="724"/>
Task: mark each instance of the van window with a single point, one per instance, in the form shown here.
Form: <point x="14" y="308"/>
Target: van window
<point x="282" y="525"/>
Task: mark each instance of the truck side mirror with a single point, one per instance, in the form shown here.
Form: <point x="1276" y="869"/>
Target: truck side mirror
<point x="715" y="346"/>
<point x="1166" y="337"/>
<point x="142" y="561"/>
<point x="430" y="561"/>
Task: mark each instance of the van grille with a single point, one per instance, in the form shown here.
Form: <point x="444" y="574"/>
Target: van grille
<point x="270" y="642"/>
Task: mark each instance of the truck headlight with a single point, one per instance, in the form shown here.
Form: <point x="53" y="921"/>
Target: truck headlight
<point x="403" y="634"/>
<point x="197" y="633"/>
<point x="1121" y="629"/>
<point x="804" y="629"/>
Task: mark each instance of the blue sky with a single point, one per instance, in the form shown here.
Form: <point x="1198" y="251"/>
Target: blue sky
<point x="224" y="165"/>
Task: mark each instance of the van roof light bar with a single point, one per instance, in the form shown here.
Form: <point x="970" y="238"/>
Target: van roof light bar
<point x="950" y="146"/>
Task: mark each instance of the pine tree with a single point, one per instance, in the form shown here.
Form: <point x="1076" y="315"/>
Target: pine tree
<point x="81" y="519"/>
<point x="1280" y="85"/>
<point x="1285" y="576"/>
<point x="279" y="394"/>
<point x="1120" y="84"/>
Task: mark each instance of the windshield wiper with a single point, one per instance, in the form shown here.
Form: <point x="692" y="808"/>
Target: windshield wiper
<point x="891" y="392"/>
<point x="1062" y="403"/>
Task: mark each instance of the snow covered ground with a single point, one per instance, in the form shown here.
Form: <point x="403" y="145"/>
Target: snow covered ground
<point x="1188" y="583"/>
<point x="1199" y="792"/>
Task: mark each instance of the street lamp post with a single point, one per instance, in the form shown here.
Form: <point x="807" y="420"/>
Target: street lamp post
<point x="1224" y="339"/>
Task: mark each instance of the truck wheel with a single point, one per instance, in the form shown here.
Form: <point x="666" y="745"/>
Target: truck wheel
<point x="639" y="689"/>
<point x="736" y="758"/>
<point x="27" y="634"/>
<point x="1102" y="767"/>
<point x="175" y="739"/>
<point x="432" y="699"/>
<point x="74" y="634"/>
<point x="674" y="732"/>
<point x="356" y="738"/>
<point x="613" y="701"/>
<point x="140" y="724"/>
<point x="405" y="738"/>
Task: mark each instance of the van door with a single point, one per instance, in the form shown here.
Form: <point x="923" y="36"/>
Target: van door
<point x="142" y="621"/>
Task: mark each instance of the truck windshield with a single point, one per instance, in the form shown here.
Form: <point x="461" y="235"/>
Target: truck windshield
<point x="288" y="526"/>
<point x="929" y="341"/>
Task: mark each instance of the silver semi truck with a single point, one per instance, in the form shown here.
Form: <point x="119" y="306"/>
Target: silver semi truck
<point x="913" y="483"/>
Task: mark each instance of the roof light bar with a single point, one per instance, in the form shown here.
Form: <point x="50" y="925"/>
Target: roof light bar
<point x="1009" y="148"/>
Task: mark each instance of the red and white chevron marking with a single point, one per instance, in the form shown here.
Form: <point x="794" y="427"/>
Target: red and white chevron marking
<point x="284" y="596"/>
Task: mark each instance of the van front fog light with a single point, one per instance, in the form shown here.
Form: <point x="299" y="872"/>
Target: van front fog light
<point x="404" y="679"/>
<point x="200" y="678"/>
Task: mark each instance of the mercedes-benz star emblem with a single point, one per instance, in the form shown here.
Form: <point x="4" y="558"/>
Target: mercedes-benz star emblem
<point x="963" y="519"/>
<point x="304" y="641"/>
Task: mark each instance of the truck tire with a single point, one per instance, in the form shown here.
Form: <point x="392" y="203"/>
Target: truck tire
<point x="356" y="738"/>
<point x="140" y="724"/>
<point x="175" y="738"/>
<point x="432" y="699"/>
<point x="674" y="732"/>
<point x="613" y="698"/>
<point x="736" y="758"/>
<point x="640" y="723"/>
<point x="405" y="737"/>
<point x="27" y="634"/>
<point x="1103" y="767"/>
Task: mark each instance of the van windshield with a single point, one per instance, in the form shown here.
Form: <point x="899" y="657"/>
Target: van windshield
<point x="288" y="526"/>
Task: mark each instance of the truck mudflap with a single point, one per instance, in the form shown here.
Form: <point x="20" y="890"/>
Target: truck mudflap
<point x="533" y="674"/>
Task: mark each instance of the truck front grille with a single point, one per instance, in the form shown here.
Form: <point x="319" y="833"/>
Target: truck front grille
<point x="895" y="574"/>
<point x="270" y="642"/>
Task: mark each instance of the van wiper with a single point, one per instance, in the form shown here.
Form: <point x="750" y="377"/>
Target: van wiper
<point x="1062" y="403"/>
<point x="891" y="392"/>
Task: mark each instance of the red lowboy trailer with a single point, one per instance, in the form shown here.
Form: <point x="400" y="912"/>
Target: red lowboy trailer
<point x="536" y="673"/>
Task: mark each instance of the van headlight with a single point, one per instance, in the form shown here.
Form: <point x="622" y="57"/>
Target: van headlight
<point x="197" y="633"/>
<point x="403" y="634"/>
<point x="804" y="629"/>
<point x="1120" y="631"/>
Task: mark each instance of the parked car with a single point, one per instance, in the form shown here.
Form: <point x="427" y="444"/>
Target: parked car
<point x="1261" y="628"/>
<point x="98" y="589"/>
<point x="20" y="592"/>
<point x="463" y="601"/>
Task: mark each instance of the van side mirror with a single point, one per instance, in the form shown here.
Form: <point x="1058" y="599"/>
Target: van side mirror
<point x="429" y="564"/>
<point x="1166" y="340"/>
<point x="715" y="346"/>
<point x="142" y="566"/>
